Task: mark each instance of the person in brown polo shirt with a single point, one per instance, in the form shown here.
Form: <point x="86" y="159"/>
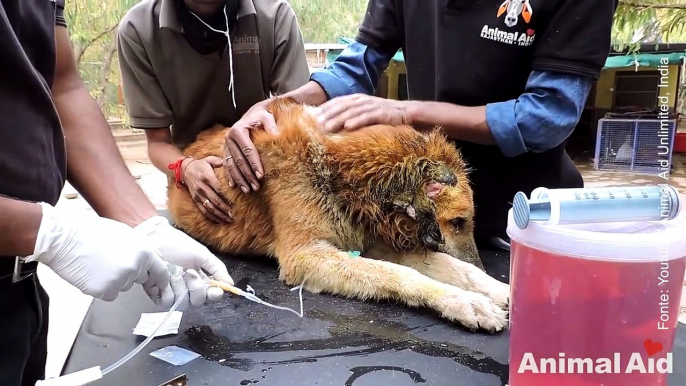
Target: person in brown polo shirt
<point x="181" y="75"/>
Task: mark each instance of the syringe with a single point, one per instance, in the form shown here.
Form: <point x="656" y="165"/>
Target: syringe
<point x="593" y="205"/>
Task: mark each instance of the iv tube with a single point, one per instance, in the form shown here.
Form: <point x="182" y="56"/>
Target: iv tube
<point x="146" y="341"/>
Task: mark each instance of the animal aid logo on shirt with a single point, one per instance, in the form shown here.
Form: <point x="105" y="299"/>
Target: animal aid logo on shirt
<point x="246" y="44"/>
<point x="513" y="13"/>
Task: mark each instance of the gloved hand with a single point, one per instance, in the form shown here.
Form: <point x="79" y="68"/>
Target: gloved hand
<point x="181" y="250"/>
<point x="99" y="256"/>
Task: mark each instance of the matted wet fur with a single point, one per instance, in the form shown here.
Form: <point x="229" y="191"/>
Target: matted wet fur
<point x="400" y="197"/>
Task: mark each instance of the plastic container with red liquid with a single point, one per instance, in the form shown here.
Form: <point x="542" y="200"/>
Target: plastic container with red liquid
<point x="595" y="304"/>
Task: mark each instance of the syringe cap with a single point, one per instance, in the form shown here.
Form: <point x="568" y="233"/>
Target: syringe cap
<point x="521" y="210"/>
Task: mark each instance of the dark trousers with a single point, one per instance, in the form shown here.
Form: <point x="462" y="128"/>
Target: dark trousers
<point x="23" y="332"/>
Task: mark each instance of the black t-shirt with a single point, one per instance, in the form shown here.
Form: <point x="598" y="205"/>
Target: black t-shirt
<point x="32" y="147"/>
<point x="475" y="52"/>
<point x="464" y="52"/>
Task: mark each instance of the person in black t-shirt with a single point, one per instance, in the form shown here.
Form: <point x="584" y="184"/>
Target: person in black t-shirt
<point x="51" y="129"/>
<point x="507" y="80"/>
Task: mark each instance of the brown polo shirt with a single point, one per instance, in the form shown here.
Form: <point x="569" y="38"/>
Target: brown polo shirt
<point x="167" y="83"/>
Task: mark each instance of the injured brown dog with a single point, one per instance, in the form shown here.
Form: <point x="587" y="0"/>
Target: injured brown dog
<point x="399" y="196"/>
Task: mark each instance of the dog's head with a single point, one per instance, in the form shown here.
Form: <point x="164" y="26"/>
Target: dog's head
<point x="436" y="213"/>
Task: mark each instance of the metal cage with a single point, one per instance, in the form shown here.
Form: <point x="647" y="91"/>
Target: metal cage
<point x="638" y="145"/>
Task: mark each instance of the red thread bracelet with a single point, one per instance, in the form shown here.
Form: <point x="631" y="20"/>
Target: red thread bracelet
<point x="176" y="167"/>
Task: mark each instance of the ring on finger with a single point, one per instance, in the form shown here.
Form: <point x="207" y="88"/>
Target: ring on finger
<point x="206" y="203"/>
<point x="227" y="159"/>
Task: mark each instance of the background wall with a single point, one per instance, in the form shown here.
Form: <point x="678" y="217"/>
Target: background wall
<point x="606" y="83"/>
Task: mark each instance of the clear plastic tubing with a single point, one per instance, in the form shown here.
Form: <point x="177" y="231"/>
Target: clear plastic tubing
<point x="148" y="339"/>
<point x="248" y="295"/>
<point x="593" y="205"/>
<point x="92" y="374"/>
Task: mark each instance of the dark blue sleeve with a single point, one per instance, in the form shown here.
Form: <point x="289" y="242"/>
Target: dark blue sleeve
<point x="356" y="70"/>
<point x="541" y="118"/>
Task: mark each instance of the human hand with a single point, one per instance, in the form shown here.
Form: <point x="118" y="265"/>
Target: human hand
<point x="203" y="185"/>
<point x="179" y="249"/>
<point x="241" y="161"/>
<point x="99" y="256"/>
<point x="353" y="112"/>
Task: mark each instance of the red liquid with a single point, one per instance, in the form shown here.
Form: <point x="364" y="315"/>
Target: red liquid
<point x="590" y="309"/>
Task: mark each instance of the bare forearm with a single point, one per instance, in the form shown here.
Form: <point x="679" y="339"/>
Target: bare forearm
<point x="458" y="122"/>
<point x="162" y="154"/>
<point x="311" y="94"/>
<point x="95" y="166"/>
<point x="19" y="223"/>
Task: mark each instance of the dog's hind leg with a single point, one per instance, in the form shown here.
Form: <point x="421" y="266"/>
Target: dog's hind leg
<point x="449" y="270"/>
<point x="324" y="268"/>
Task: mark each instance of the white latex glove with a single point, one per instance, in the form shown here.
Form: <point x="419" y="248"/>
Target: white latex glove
<point x="99" y="256"/>
<point x="181" y="250"/>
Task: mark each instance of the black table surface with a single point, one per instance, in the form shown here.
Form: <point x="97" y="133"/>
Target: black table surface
<point x="338" y="342"/>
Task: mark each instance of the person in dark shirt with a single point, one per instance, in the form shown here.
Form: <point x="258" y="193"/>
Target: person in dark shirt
<point x="52" y="130"/>
<point x="506" y="80"/>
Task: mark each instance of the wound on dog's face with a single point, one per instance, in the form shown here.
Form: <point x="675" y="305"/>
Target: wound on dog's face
<point x="433" y="189"/>
<point x="430" y="233"/>
<point x="423" y="210"/>
<point x="442" y="174"/>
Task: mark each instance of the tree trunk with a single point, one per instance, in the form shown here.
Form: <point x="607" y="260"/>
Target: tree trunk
<point x="78" y="54"/>
<point x="106" y="70"/>
<point x="80" y="49"/>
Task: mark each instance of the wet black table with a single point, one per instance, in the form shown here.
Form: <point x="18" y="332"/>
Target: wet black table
<point x="338" y="342"/>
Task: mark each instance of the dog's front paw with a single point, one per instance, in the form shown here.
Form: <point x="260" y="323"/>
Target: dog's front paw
<point x="473" y="310"/>
<point x="481" y="282"/>
<point x="500" y="293"/>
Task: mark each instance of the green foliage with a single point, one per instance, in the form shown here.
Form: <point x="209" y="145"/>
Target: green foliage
<point x="89" y="20"/>
<point x="324" y="21"/>
<point x="649" y="20"/>
<point x="92" y="27"/>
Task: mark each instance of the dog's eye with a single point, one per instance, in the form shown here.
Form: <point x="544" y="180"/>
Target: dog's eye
<point x="458" y="222"/>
